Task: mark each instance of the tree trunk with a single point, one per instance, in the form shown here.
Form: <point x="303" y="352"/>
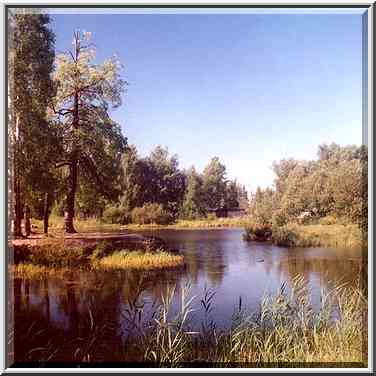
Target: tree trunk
<point x="27" y="220"/>
<point x="69" y="206"/>
<point x="46" y="212"/>
<point x="17" y="207"/>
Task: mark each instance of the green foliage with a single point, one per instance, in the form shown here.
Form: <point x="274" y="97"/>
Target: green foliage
<point x="151" y="213"/>
<point x="33" y="136"/>
<point x="193" y="206"/>
<point x="256" y="231"/>
<point x="92" y="142"/>
<point x="305" y="191"/>
<point x="261" y="206"/>
<point x="56" y="254"/>
<point x="286" y="236"/>
<point x="214" y="184"/>
<point x="116" y="214"/>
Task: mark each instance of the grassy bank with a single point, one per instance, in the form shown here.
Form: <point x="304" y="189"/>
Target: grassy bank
<point x="335" y="235"/>
<point x="285" y="332"/>
<point x="55" y="257"/>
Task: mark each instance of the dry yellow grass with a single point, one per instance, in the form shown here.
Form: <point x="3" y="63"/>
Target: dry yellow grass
<point x="139" y="260"/>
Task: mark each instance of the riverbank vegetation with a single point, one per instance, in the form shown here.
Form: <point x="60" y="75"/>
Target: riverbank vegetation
<point x="320" y="202"/>
<point x="287" y="331"/>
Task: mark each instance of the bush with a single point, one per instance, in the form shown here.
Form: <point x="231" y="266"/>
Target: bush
<point x="286" y="236"/>
<point x="57" y="254"/>
<point x="257" y="232"/>
<point x="116" y="214"/>
<point x="151" y="213"/>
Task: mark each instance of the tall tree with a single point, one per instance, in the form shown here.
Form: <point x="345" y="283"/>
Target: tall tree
<point x="164" y="183"/>
<point x="193" y="205"/>
<point x="30" y="63"/>
<point x="85" y="92"/>
<point x="214" y="184"/>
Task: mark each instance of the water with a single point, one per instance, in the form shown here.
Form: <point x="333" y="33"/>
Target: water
<point x="216" y="260"/>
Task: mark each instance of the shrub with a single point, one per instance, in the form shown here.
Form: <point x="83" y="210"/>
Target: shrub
<point x="57" y="254"/>
<point x="257" y="232"/>
<point x="151" y="213"/>
<point x="116" y="214"/>
<point x="286" y="236"/>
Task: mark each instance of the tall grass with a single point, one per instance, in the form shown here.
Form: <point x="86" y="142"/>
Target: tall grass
<point x="286" y="331"/>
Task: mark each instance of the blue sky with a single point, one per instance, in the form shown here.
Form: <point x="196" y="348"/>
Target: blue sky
<point x="248" y="88"/>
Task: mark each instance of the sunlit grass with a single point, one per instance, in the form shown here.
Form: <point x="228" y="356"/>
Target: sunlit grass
<point x="138" y="260"/>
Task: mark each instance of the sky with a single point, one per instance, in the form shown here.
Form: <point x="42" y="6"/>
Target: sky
<point x="248" y="88"/>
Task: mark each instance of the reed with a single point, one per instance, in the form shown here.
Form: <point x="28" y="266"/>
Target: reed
<point x="286" y="331"/>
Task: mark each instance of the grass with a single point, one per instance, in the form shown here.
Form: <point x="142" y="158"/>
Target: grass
<point x="334" y="235"/>
<point x="138" y="260"/>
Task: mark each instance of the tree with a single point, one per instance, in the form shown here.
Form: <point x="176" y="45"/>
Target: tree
<point x="92" y="141"/>
<point x="31" y="56"/>
<point x="214" y="184"/>
<point x="193" y="206"/>
<point x="132" y="181"/>
<point x="164" y="183"/>
<point x="232" y="195"/>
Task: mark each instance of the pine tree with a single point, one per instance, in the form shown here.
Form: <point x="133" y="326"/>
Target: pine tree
<point x="92" y="140"/>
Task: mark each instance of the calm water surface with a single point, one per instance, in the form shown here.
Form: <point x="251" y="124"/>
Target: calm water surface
<point x="215" y="259"/>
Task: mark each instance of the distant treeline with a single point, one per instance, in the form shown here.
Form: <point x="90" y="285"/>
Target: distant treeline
<point x="334" y="185"/>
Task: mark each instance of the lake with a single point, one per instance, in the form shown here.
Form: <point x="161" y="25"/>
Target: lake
<point x="108" y="304"/>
